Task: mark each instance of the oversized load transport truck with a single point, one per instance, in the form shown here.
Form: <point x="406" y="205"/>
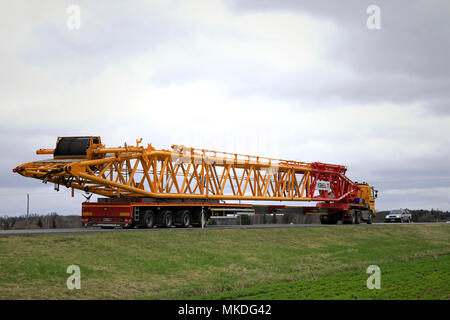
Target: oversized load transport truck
<point x="142" y="186"/>
<point x="361" y="209"/>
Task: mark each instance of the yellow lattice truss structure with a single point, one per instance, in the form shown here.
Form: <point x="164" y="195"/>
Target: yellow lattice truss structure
<point x="182" y="173"/>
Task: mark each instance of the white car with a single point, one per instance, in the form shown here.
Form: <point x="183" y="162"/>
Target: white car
<point x="402" y="215"/>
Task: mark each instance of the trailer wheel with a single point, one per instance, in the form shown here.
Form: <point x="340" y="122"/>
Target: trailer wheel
<point x="149" y="219"/>
<point x="186" y="219"/>
<point x="199" y="218"/>
<point x="183" y="219"/>
<point x="167" y="219"/>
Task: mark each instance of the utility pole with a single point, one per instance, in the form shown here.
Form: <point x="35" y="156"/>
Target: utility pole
<point x="28" y="207"/>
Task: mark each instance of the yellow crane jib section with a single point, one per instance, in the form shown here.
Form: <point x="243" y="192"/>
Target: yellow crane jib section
<point x="185" y="173"/>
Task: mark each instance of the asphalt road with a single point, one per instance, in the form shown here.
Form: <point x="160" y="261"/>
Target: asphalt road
<point x="255" y="226"/>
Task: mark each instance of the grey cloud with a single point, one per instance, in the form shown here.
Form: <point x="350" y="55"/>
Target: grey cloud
<point x="315" y="85"/>
<point x="409" y="182"/>
<point x="104" y="39"/>
<point x="416" y="200"/>
<point x="405" y="62"/>
<point x="408" y="60"/>
<point x="413" y="40"/>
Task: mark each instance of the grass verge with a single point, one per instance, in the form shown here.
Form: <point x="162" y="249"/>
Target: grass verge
<point x="426" y="278"/>
<point x="180" y="264"/>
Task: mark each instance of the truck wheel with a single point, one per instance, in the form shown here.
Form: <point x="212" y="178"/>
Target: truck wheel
<point x="149" y="219"/>
<point x="353" y="218"/>
<point x="357" y="218"/>
<point x="185" y="219"/>
<point x="346" y="221"/>
<point x="324" y="220"/>
<point x="167" y="219"/>
<point x="369" y="218"/>
<point x="328" y="219"/>
<point x="198" y="217"/>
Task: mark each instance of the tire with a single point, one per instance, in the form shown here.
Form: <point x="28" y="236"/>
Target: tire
<point x="369" y="218"/>
<point x="197" y="217"/>
<point x="357" y="218"/>
<point x="324" y="221"/>
<point x="149" y="219"/>
<point x="333" y="219"/>
<point x="347" y="221"/>
<point x="167" y="217"/>
<point x="185" y="219"/>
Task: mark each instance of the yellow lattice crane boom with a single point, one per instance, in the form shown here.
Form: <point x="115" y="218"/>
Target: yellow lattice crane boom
<point x="189" y="174"/>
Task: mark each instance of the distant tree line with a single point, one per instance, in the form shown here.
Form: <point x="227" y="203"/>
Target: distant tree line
<point x="53" y="220"/>
<point x="420" y="215"/>
<point x="35" y="221"/>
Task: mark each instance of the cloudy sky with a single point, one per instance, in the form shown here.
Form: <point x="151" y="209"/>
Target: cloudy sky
<point x="300" y="80"/>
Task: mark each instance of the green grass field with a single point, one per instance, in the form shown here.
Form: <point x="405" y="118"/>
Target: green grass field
<point x="290" y="263"/>
<point x="425" y="278"/>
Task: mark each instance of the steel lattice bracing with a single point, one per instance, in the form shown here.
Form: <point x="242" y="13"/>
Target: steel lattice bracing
<point x="187" y="173"/>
